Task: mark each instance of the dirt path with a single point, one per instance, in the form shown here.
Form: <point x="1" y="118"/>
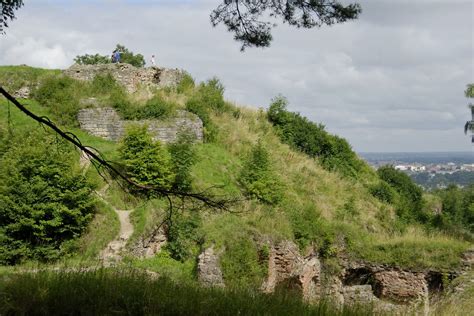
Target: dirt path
<point x="113" y="252"/>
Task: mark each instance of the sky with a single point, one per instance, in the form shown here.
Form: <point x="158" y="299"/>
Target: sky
<point x="391" y="81"/>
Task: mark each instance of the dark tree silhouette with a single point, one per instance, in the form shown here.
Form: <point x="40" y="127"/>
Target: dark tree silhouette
<point x="7" y="12"/>
<point x="245" y="18"/>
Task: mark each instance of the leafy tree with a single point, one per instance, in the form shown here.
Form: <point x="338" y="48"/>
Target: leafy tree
<point x="457" y="209"/>
<point x="258" y="178"/>
<point x="147" y="162"/>
<point x="92" y="59"/>
<point x="128" y="57"/>
<point x="45" y="201"/>
<point x="244" y="18"/>
<point x="7" y="12"/>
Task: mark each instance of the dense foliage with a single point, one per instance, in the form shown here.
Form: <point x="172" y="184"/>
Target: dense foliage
<point x="45" y="201"/>
<point x="439" y="180"/>
<point x="457" y="212"/>
<point x="146" y="161"/>
<point x="126" y="56"/>
<point x="334" y="152"/>
<point x="92" y="59"/>
<point x="184" y="235"/>
<point x="410" y="204"/>
<point x="258" y="178"/>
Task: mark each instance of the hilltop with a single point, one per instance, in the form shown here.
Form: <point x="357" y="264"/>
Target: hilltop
<point x="309" y="217"/>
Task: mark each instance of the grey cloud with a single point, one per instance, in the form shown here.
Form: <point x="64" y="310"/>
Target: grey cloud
<point x="395" y="77"/>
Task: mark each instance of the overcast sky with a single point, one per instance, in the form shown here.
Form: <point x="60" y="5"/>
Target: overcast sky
<point x="393" y="80"/>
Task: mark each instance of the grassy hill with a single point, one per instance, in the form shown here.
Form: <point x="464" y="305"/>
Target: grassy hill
<point x="319" y="208"/>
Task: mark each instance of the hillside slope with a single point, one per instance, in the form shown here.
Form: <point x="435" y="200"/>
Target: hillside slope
<point x="327" y="214"/>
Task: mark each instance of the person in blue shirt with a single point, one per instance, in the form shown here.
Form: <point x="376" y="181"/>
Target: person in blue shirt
<point x="117" y="56"/>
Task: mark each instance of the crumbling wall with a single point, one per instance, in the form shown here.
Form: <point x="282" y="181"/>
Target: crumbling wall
<point x="129" y="76"/>
<point x="106" y="123"/>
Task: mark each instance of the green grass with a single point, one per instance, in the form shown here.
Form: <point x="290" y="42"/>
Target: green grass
<point x="130" y="292"/>
<point x="13" y="78"/>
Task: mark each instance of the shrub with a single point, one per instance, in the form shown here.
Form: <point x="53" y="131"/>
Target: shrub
<point x="258" y="178"/>
<point x="410" y="206"/>
<point x="60" y="95"/>
<point x="105" y="85"/>
<point x="194" y="105"/>
<point x="382" y="191"/>
<point x="146" y="161"/>
<point x="241" y="264"/>
<point x="184" y="235"/>
<point x="156" y="108"/>
<point x="45" y="201"/>
<point x="184" y="156"/>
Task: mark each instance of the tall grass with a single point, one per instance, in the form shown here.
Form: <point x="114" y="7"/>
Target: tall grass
<point x="130" y="292"/>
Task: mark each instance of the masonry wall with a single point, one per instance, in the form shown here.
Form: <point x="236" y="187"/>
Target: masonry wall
<point x="106" y="123"/>
<point x="129" y="76"/>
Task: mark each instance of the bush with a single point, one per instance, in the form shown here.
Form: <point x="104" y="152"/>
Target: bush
<point x="156" y="108"/>
<point x="45" y="201"/>
<point x="410" y="206"/>
<point x="258" y="178"/>
<point x="241" y="264"/>
<point x="383" y="192"/>
<point x="184" y="236"/>
<point x="146" y="161"/>
<point x="183" y="155"/>
<point x="61" y="95"/>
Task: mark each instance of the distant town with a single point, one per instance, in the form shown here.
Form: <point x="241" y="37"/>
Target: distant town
<point x="429" y="170"/>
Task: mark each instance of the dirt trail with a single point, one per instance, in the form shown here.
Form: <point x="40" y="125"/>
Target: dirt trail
<point x="112" y="253"/>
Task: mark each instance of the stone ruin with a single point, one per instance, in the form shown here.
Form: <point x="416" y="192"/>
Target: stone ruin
<point x="388" y="289"/>
<point x="106" y="123"/>
<point x="129" y="76"/>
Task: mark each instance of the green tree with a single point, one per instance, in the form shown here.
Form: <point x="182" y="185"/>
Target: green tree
<point x="258" y="178"/>
<point x="128" y="57"/>
<point x="147" y="162"/>
<point x="45" y="201"/>
<point x="92" y="59"/>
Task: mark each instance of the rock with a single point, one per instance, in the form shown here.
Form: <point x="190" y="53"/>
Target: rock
<point x="149" y="247"/>
<point x="287" y="268"/>
<point x="106" y="123"/>
<point x="129" y="76"/>
<point x="400" y="286"/>
<point x="22" y="93"/>
<point x="208" y="269"/>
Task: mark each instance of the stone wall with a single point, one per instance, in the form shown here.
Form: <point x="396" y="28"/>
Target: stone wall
<point x="106" y="123"/>
<point x="129" y="76"/>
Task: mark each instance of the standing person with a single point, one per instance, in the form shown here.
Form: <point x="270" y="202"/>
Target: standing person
<point x="117" y="56"/>
<point x="153" y="62"/>
<point x="113" y="56"/>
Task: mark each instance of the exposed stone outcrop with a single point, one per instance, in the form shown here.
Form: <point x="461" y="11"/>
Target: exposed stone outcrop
<point x="129" y="76"/>
<point x="106" y="123"/>
<point x="400" y="286"/>
<point x="208" y="269"/>
<point x="286" y="267"/>
<point x="22" y="93"/>
<point x="148" y="247"/>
